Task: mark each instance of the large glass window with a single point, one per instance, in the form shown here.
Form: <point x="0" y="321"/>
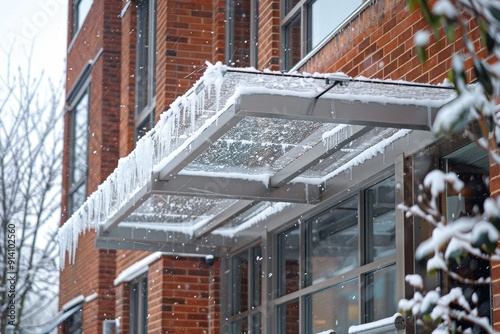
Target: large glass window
<point x="79" y="136"/>
<point x="380" y="220"/>
<point x="289" y="318"/>
<point x="305" y="24"/>
<point x="241" y="38"/>
<point x="335" y="308"/>
<point x="139" y="305"/>
<point x="246" y="278"/>
<point x="145" y="77"/>
<point x="332" y="242"/>
<point x="471" y="164"/>
<point x="380" y="299"/>
<point x="81" y="9"/>
<point x="288" y="261"/>
<point x="325" y="16"/>
<point x="338" y="268"/>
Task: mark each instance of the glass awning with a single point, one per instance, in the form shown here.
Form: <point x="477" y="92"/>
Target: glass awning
<point x="243" y="147"/>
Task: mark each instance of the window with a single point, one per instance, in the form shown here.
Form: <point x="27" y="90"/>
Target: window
<point x="73" y="324"/>
<point x="145" y="77"/>
<point x="241" y="39"/>
<point x="246" y="277"/>
<point x="81" y="9"/>
<point x="338" y="268"/>
<point x="139" y="305"/>
<point x="78" y="165"/>
<point x="471" y="164"/>
<point x="305" y="24"/>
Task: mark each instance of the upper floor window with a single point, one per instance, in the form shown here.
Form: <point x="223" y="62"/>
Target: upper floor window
<point x="73" y="325"/>
<point x="81" y="8"/>
<point x="145" y="78"/>
<point x="139" y="305"/>
<point x="78" y="164"/>
<point x="305" y="24"/>
<point x="241" y="33"/>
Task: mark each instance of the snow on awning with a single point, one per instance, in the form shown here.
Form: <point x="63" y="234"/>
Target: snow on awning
<point x="242" y="146"/>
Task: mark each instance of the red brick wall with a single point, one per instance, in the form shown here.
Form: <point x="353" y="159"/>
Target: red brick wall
<point x="94" y="270"/>
<point x="179" y="296"/>
<point x="379" y="44"/>
<point x="127" y="96"/>
<point x="269" y="34"/>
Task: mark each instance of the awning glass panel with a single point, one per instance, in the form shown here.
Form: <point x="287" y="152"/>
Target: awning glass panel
<point x="259" y="145"/>
<point x="169" y="210"/>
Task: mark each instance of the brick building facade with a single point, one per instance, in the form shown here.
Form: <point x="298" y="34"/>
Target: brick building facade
<point x="128" y="61"/>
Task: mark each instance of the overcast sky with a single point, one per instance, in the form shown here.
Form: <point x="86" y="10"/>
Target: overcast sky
<point x="37" y="24"/>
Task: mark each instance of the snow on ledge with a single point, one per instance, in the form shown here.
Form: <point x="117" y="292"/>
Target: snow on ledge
<point x="386" y="325"/>
<point x="73" y="302"/>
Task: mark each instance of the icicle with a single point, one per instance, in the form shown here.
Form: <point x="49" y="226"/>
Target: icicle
<point x="218" y="89"/>
<point x="192" y="112"/>
<point x="306" y="186"/>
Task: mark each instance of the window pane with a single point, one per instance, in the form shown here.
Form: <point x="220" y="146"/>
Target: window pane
<point x="240" y="44"/>
<point x="142" y="66"/>
<point x="325" y="16"/>
<point x="288" y="261"/>
<point x="240" y="283"/>
<point x="257" y="276"/>
<point x="292" y="43"/>
<point x="380" y="294"/>
<point x="380" y="220"/>
<point x="73" y="325"/>
<point x="288" y="321"/>
<point x="83" y="8"/>
<point x="80" y="127"/>
<point x="77" y="198"/>
<point x="289" y="4"/>
<point x="239" y="327"/>
<point x="334" y="308"/>
<point x="256" y="324"/>
<point x="139" y="305"/>
<point x="332" y="239"/>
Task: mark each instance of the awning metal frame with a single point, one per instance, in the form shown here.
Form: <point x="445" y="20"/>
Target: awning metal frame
<point x="362" y="114"/>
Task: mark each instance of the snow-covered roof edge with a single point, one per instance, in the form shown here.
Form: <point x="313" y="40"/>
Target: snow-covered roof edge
<point x="134" y="171"/>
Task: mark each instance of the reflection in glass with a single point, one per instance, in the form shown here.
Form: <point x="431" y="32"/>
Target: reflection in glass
<point x="256" y="324"/>
<point x="239" y="44"/>
<point x="288" y="261"/>
<point x="82" y="10"/>
<point x="240" y="326"/>
<point x="79" y="124"/>
<point x="256" y="276"/>
<point x="292" y="45"/>
<point x="333" y="308"/>
<point x="288" y="320"/>
<point x="471" y="164"/>
<point x="240" y="283"/>
<point x="325" y="16"/>
<point x="289" y="4"/>
<point x="380" y="220"/>
<point x="380" y="294"/>
<point x="332" y="242"/>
